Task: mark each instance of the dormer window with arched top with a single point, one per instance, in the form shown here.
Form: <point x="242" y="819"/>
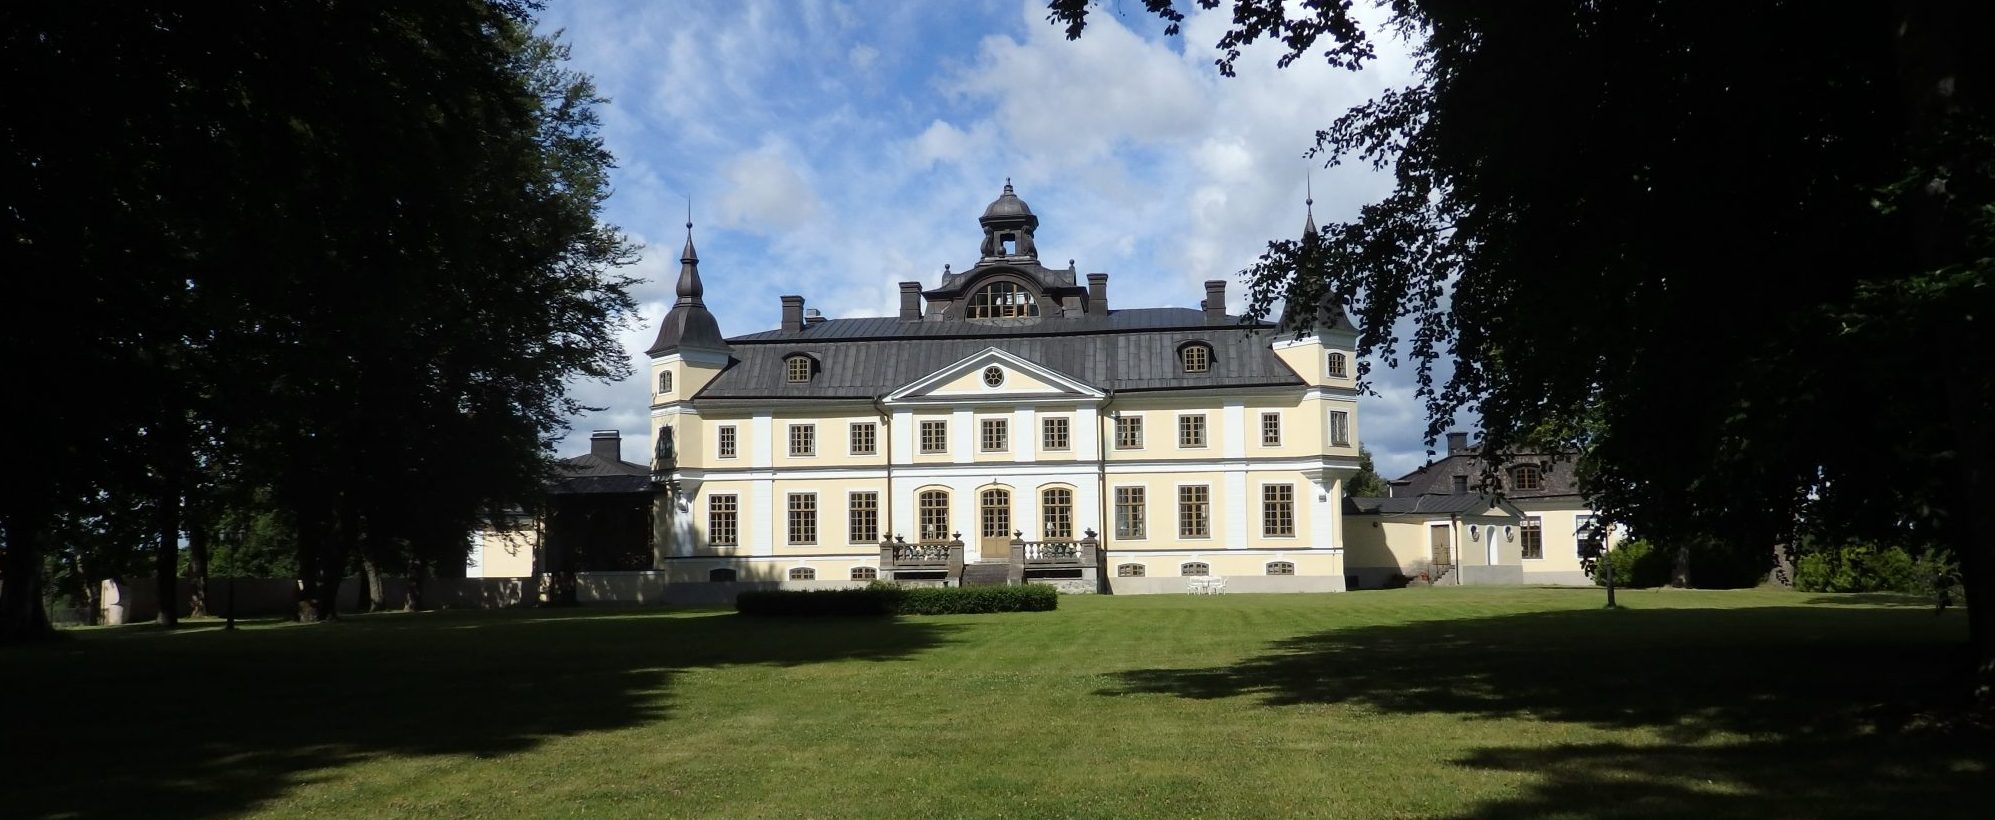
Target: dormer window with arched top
<point x="665" y="382"/>
<point x="1527" y="477"/>
<point x="1196" y="357"/>
<point x="1338" y="368"/>
<point x="1002" y="300"/>
<point x="798" y="368"/>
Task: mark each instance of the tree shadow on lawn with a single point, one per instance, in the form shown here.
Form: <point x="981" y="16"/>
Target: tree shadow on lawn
<point x="203" y="722"/>
<point x="1834" y="705"/>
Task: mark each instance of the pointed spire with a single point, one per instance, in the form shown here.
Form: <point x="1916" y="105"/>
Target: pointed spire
<point x="1309" y="205"/>
<point x="690" y="288"/>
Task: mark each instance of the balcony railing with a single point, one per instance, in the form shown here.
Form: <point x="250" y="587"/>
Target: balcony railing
<point x="922" y="555"/>
<point x="1054" y="552"/>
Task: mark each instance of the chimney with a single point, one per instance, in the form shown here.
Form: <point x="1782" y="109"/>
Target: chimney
<point x="793" y="314"/>
<point x="813" y="316"/>
<point x="910" y="301"/>
<point x="1458" y="443"/>
<point x="1215" y="299"/>
<point x="607" y="444"/>
<point x="1098" y="294"/>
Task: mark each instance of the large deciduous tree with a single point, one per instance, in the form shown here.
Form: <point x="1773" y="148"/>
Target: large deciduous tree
<point x="1741" y="257"/>
<point x="346" y="254"/>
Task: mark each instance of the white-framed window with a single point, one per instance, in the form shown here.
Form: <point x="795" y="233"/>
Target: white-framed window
<point x="1129" y="433"/>
<point x="1129" y="513"/>
<point x="797" y="368"/>
<point x="1129" y="570"/>
<point x="724" y="440"/>
<point x="1194" y="511"/>
<point x="803" y="574"/>
<point x="996" y="435"/>
<point x="935" y="436"/>
<point x="723" y="520"/>
<point x="1281" y="568"/>
<point x="1533" y="539"/>
<point x="933" y="506"/>
<point x="1339" y="367"/>
<point x="865" y="438"/>
<point x="1056" y="506"/>
<point x="1271" y="429"/>
<point x="1055" y="433"/>
<point x="1196" y="357"/>
<point x="803" y="440"/>
<point x="665" y="381"/>
<point x="865" y="573"/>
<point x="1340" y="428"/>
<point x="1191" y="568"/>
<point x="1191" y="430"/>
<point x="803" y="518"/>
<point x="863" y="517"/>
<point x="1278" y="510"/>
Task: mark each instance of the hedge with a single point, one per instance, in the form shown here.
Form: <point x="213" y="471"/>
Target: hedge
<point x="888" y="599"/>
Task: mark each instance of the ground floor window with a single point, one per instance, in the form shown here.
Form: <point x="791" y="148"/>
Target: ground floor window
<point x="865" y="573"/>
<point x="1534" y="538"/>
<point x="1129" y="512"/>
<point x="864" y="523"/>
<point x="1195" y="568"/>
<point x="720" y="576"/>
<point x="803" y="574"/>
<point x="1281" y="568"/>
<point x="1129" y="571"/>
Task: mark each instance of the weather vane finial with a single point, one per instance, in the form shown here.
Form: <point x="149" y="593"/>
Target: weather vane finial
<point x="689" y="213"/>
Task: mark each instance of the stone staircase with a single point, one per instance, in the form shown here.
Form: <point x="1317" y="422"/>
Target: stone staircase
<point x="1447" y="577"/>
<point x="987" y="574"/>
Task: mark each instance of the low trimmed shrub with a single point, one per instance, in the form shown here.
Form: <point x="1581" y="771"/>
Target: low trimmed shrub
<point x="881" y="598"/>
<point x="1866" y="568"/>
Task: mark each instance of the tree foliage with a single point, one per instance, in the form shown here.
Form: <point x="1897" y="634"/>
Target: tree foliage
<point x="347" y="255"/>
<point x="1367" y="483"/>
<point x="1742" y="261"/>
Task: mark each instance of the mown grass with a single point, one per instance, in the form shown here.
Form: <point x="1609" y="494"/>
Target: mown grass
<point x="1425" y="702"/>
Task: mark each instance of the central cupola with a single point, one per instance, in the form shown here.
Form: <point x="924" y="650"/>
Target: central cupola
<point x="1008" y="225"/>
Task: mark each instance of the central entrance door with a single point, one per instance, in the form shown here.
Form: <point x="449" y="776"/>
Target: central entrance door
<point x="994" y="517"/>
<point x="1437" y="536"/>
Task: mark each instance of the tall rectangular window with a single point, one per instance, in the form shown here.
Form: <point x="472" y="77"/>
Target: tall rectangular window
<point x="934" y="515"/>
<point x="1057" y="504"/>
<point x="803" y="439"/>
<point x="1340" y="428"/>
<point x="803" y="518"/>
<point x="1055" y="430"/>
<point x="1191" y="431"/>
<point x="865" y="517"/>
<point x="723" y="520"/>
<point x="1129" y="433"/>
<point x="1278" y="510"/>
<point x="1194" y="512"/>
<point x="1533" y="538"/>
<point x="724" y="444"/>
<point x="996" y="435"/>
<point x="865" y="438"/>
<point x="935" y="436"/>
<point x="1271" y="429"/>
<point x="1129" y="513"/>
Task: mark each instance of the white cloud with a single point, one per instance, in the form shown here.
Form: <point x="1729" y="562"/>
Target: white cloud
<point x="765" y="192"/>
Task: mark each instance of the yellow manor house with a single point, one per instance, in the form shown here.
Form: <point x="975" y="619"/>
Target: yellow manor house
<point x="1006" y="426"/>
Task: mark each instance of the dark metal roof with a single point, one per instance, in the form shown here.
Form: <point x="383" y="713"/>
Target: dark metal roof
<point x="1126" y="350"/>
<point x="1424" y="504"/>
<point x="689" y="324"/>
<point x="593" y="473"/>
<point x="1438" y="478"/>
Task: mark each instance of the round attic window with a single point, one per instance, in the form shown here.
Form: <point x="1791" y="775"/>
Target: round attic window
<point x="993" y="376"/>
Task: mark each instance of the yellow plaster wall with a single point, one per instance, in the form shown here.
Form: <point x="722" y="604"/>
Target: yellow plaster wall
<point x="972" y="384"/>
<point x="834" y="443"/>
<point x="506" y="554"/>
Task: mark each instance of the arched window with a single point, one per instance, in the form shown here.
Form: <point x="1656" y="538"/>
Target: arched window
<point x="724" y="575"/>
<point x="665" y="382"/>
<point x="1196" y="357"/>
<point x="798" y="367"/>
<point x="1057" y="504"/>
<point x="1002" y="300"/>
<point x="865" y="573"/>
<point x="803" y="574"/>
<point x="934" y="506"/>
<point x="1527" y="477"/>
<point x="1281" y="568"/>
<point x="1338" y="369"/>
<point x="1129" y="570"/>
<point x="1195" y="568"/>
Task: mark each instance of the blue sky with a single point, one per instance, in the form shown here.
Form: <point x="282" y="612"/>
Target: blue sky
<point x="834" y="149"/>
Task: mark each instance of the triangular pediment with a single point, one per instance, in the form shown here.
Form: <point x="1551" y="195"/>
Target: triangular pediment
<point x="994" y="374"/>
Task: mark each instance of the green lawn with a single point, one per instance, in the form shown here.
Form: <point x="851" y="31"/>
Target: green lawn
<point x="1419" y="702"/>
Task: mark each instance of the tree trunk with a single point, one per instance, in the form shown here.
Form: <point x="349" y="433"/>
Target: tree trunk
<point x="413" y="600"/>
<point x="22" y="613"/>
<point x="311" y="577"/>
<point x="166" y="563"/>
<point x="1679" y="575"/>
<point x="370" y="591"/>
<point x="199" y="534"/>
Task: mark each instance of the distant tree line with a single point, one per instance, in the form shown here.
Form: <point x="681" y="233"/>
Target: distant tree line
<point x="294" y="286"/>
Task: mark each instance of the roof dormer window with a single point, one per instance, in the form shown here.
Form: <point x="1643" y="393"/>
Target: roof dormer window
<point x="1002" y="300"/>
<point x="1527" y="477"/>
<point x="1196" y="357"/>
<point x="797" y="368"/>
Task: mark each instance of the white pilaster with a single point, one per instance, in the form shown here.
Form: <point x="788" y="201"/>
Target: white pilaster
<point x="1324" y="494"/>
<point x="1233" y="429"/>
<point x="1234" y="506"/>
<point x="1086" y="426"/>
<point x="762" y="518"/>
<point x="963" y="436"/>
<point x="1024" y="433"/>
<point x="902" y="435"/>
<point x="761" y="439"/>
